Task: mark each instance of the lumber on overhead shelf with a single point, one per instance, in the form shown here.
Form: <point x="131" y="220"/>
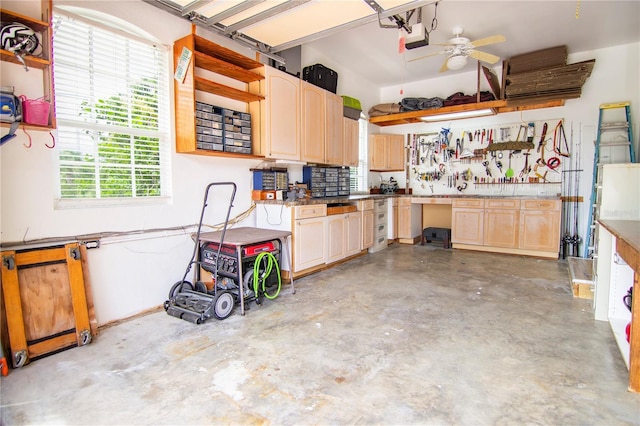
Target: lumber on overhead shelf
<point x="544" y="58"/>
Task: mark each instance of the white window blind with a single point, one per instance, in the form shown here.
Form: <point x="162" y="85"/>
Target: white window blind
<point x="112" y="113"/>
<point x="359" y="175"/>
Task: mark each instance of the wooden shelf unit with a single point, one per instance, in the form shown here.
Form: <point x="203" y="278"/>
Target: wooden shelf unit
<point x="42" y="62"/>
<point x="217" y="59"/>
<point x="498" y="106"/>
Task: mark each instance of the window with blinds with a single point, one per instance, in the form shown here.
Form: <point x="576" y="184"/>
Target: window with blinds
<point x="359" y="175"/>
<point x="112" y="112"/>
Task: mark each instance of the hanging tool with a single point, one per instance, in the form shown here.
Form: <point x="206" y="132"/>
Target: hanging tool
<point x="558" y="137"/>
<point x="522" y="130"/>
<point x="486" y="168"/>
<point x="526" y="169"/>
<point x="509" y="173"/>
<point x="542" y="142"/>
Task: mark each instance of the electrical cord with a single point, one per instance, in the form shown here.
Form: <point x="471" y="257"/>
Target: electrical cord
<point x="257" y="277"/>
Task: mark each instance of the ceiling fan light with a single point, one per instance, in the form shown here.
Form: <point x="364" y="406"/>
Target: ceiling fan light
<point x="456" y="62"/>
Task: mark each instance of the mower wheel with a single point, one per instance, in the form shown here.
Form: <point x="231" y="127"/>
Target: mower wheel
<point x="178" y="287"/>
<point x="223" y="305"/>
<point x="200" y="287"/>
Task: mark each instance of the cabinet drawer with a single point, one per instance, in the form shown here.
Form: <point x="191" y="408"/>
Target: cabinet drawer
<point x="393" y="202"/>
<point x="431" y="200"/>
<point x="381" y="229"/>
<point x="474" y="203"/>
<point x="540" y="204"/>
<point x="380" y="205"/>
<point x="312" y="210"/>
<point x="502" y="203"/>
<point x="404" y="201"/>
<point x="380" y="217"/>
<point x="365" y="205"/>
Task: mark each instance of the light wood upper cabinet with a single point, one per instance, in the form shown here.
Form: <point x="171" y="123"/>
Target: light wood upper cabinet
<point x="350" y="142"/>
<point x="386" y="152"/>
<point x="334" y="140"/>
<point x="313" y="123"/>
<point x="279" y="129"/>
<point x="540" y="221"/>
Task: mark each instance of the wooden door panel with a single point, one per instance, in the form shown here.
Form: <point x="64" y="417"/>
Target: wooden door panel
<point x="46" y="300"/>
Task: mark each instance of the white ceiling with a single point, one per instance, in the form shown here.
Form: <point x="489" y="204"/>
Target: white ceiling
<point x="348" y="32"/>
<point x="372" y="52"/>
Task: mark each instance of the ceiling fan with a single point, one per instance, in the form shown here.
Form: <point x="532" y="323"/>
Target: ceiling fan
<point x="460" y="48"/>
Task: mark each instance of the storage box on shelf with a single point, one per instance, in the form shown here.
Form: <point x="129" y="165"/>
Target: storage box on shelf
<point x="216" y="59"/>
<point x="41" y="61"/>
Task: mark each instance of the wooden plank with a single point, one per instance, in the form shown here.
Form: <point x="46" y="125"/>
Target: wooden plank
<point x="551" y="56"/>
<point x="184" y="101"/>
<point x="219" y="66"/>
<point x="581" y="270"/>
<point x="78" y="295"/>
<point x="51" y="345"/>
<point x="46" y="300"/>
<point x="34" y="257"/>
<point x="13" y="306"/>
<point x="88" y="289"/>
<point x="511" y="107"/>
<point x="413" y="116"/>
<point x="492" y="79"/>
<point x="226" y="91"/>
<point x="634" y="341"/>
<point x="212" y="49"/>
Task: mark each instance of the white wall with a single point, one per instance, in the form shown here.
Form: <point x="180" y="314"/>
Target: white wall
<point x="132" y="274"/>
<point x="615" y="78"/>
<point x="128" y="274"/>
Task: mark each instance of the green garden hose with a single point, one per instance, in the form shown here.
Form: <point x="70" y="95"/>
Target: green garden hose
<point x="270" y="261"/>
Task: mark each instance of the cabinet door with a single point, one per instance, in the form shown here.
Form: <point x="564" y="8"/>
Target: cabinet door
<point x="395" y="156"/>
<point x="404" y="221"/>
<point x="334" y="140"/>
<point x="309" y="243"/>
<point x="353" y="234"/>
<point x="501" y="228"/>
<point x="393" y="222"/>
<point x="367" y="229"/>
<point x="377" y="150"/>
<point x="313" y="123"/>
<point x="540" y="230"/>
<point x="336" y="233"/>
<point x="282" y="115"/>
<point x="351" y="142"/>
<point x="467" y="226"/>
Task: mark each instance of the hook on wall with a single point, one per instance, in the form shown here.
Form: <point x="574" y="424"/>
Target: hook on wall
<point x="53" y="139"/>
<point x="28" y="136"/>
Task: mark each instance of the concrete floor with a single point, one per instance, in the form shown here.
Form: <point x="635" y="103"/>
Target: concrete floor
<point x="408" y="335"/>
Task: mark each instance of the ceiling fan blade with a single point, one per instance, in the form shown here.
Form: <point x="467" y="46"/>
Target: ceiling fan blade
<point x="426" y="56"/>
<point x="484" y="56"/>
<point x="489" y="40"/>
<point x="444" y="67"/>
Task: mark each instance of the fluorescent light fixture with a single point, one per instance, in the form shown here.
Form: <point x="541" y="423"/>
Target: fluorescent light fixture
<point x="458" y="115"/>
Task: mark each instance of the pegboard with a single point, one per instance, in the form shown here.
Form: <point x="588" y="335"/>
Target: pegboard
<point x="508" y="159"/>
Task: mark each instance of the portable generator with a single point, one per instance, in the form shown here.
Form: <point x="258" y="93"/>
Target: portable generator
<point x="227" y="265"/>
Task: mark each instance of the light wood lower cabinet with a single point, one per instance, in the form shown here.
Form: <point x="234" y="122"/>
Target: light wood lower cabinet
<point x="540" y="225"/>
<point x="517" y="226"/>
<point x="343" y="234"/>
<point x="309" y="243"/>
<point x="467" y="221"/>
<point x="502" y="223"/>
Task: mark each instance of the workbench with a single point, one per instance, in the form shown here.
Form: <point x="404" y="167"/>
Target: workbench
<point x="246" y="236"/>
<point x="627" y="246"/>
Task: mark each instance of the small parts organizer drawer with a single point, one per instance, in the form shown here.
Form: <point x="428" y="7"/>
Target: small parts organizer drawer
<point x="312" y="210"/>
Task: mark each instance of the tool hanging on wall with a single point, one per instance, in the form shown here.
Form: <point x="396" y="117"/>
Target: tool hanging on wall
<point x="558" y="138"/>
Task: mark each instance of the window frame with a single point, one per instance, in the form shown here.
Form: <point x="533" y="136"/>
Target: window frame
<point x="163" y="130"/>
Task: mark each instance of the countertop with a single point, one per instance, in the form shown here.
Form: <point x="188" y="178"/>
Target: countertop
<point x="358" y="197"/>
